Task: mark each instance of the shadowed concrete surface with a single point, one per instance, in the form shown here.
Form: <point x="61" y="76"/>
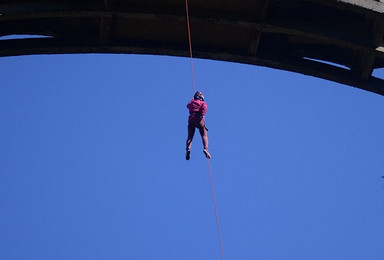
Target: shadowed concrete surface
<point x="338" y="40"/>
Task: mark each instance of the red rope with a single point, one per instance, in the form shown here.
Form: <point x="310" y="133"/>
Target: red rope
<point x="209" y="164"/>
<point x="190" y="46"/>
<point x="216" y="211"/>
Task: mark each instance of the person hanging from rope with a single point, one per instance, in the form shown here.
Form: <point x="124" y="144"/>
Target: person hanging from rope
<point x="197" y="110"/>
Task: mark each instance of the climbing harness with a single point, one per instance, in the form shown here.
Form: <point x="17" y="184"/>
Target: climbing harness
<point x="209" y="164"/>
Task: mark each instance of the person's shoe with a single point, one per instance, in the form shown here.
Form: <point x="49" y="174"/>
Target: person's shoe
<point x="188" y="155"/>
<point x="205" y="151"/>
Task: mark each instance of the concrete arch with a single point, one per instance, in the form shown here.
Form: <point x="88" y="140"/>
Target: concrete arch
<point x="338" y="40"/>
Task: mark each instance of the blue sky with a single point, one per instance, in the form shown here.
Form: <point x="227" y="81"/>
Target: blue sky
<point x="92" y="162"/>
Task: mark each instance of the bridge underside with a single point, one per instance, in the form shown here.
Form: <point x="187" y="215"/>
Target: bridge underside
<point x="338" y="40"/>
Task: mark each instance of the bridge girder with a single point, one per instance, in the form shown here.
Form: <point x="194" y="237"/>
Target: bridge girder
<point x="338" y="40"/>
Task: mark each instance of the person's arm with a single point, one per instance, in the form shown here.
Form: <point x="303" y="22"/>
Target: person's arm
<point x="203" y="109"/>
<point x="189" y="105"/>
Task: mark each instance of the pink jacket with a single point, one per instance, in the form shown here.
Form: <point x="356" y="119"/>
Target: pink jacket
<point x="197" y="109"/>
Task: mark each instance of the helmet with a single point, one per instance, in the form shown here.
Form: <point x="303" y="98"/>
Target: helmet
<point x="198" y="95"/>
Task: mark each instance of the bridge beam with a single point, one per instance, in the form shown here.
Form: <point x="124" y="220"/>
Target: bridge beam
<point x="338" y="40"/>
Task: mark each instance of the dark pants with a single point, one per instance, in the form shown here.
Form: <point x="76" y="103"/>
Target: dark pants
<point x="199" y="124"/>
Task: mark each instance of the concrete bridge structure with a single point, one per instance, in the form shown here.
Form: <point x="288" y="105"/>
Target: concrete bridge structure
<point x="337" y="40"/>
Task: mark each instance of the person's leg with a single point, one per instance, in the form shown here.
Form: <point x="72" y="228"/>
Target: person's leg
<point x="191" y="133"/>
<point x="204" y="137"/>
<point x="204" y="134"/>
